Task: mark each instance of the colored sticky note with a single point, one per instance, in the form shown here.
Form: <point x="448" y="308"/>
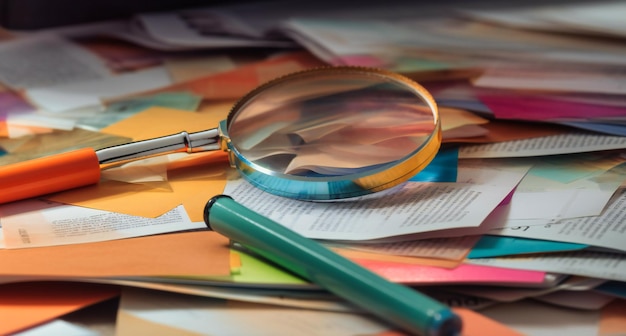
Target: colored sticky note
<point x="257" y="271"/>
<point x="464" y="273"/>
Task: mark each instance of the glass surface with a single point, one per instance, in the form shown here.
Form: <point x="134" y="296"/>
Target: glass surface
<point x="331" y="123"/>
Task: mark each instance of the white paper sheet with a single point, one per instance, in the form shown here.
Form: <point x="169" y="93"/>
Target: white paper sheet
<point x="602" y="265"/>
<point x="603" y="79"/>
<point x="588" y="300"/>
<point x="508" y="294"/>
<point x="453" y="248"/>
<point x="210" y="316"/>
<point x="38" y="120"/>
<point x="44" y="60"/>
<point x="59" y="327"/>
<point x="551" y="145"/>
<point x="174" y="29"/>
<point x="305" y="299"/>
<point x="87" y="95"/>
<point x="599" y="17"/>
<point x="607" y="230"/>
<point x="566" y="190"/>
<point x="410" y="208"/>
<point x="34" y="223"/>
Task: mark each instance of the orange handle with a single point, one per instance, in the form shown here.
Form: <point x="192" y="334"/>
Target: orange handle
<point x="49" y="174"/>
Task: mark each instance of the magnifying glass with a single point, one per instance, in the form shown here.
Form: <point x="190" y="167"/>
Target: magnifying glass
<point x="319" y="134"/>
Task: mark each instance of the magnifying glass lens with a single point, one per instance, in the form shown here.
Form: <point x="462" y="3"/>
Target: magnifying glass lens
<point x="333" y="132"/>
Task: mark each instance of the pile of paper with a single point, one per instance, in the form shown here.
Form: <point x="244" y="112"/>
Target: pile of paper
<point x="519" y="222"/>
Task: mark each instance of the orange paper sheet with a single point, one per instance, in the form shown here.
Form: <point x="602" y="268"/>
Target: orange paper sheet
<point x="613" y="319"/>
<point x="27" y="304"/>
<point x="236" y="83"/>
<point x="475" y="324"/>
<point x="201" y="253"/>
<point x="192" y="182"/>
<point x="160" y="121"/>
<point x="502" y="130"/>
<point x="4" y="130"/>
<point x="354" y="254"/>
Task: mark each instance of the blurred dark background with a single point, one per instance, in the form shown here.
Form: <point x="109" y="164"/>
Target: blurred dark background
<point x="38" y="14"/>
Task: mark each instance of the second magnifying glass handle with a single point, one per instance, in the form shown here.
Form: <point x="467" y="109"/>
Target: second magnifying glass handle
<point x="49" y="174"/>
<point x="398" y="304"/>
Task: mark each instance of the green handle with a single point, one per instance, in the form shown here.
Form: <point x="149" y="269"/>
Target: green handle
<point x="396" y="303"/>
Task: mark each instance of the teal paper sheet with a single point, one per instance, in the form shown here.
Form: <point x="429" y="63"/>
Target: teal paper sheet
<point x="497" y="246"/>
<point x="443" y="168"/>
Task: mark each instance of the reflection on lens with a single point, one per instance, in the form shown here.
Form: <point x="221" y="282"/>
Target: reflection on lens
<point x="332" y="124"/>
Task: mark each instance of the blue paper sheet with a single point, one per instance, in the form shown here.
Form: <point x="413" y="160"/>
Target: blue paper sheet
<point x="614" y="288"/>
<point x="609" y="129"/>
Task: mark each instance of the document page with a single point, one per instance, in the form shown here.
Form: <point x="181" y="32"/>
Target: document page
<point x="88" y="95"/>
<point x="454" y="248"/>
<point x="412" y="207"/>
<point x="606" y="230"/>
<point x="550" y="145"/>
<point x="586" y="78"/>
<point x="568" y="186"/>
<point x="610" y="266"/>
<point x="36" y="223"/>
<point x="47" y="60"/>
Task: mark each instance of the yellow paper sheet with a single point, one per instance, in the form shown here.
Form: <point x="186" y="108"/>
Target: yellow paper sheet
<point x="452" y="118"/>
<point x="159" y="121"/>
